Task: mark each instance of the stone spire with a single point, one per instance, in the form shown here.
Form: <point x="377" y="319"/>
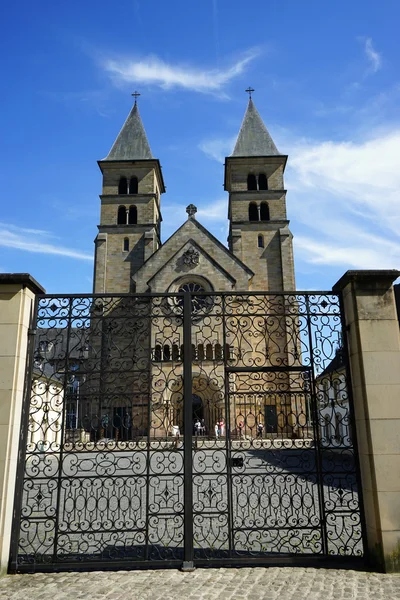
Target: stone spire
<point x="254" y="138"/>
<point x="131" y="143"/>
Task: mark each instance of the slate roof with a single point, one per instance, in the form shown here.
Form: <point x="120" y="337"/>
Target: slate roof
<point x="335" y="365"/>
<point x="254" y="138"/>
<point x="132" y="142"/>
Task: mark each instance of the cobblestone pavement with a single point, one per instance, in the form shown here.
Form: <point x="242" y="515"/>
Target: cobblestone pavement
<point x="204" y="584"/>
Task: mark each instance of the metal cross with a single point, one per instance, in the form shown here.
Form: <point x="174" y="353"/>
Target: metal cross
<point x="135" y="95"/>
<point x="249" y="90"/>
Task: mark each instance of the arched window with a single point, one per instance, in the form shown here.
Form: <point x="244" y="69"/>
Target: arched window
<point x="193" y="352"/>
<point x="262" y="182"/>
<point x="157" y="353"/>
<point x="218" y="352"/>
<point x="123" y="186"/>
<point x="260" y="241"/>
<point x="200" y="351"/>
<point x="126" y="245"/>
<point x="264" y="211"/>
<point x="228" y="353"/>
<point x="251" y="182"/>
<point x="253" y="212"/>
<point x="175" y="352"/>
<point x="133" y="185"/>
<point x="132" y="219"/>
<point x="121" y="218"/>
<point x="167" y="352"/>
<point x="209" y="352"/>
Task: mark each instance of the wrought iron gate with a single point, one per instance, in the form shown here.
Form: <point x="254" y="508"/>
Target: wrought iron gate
<point x="187" y="429"/>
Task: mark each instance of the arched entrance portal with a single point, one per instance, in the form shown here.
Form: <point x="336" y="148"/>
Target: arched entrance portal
<point x="207" y="403"/>
<point x="197" y="408"/>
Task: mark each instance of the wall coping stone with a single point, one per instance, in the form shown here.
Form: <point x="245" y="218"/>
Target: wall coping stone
<point x="367" y="277"/>
<point x="23" y="279"/>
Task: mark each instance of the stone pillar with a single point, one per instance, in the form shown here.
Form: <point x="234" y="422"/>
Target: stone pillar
<point x="17" y="295"/>
<point x="100" y="264"/>
<point x="374" y="352"/>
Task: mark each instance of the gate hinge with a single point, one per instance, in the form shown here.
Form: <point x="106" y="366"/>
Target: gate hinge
<point x="32" y="331"/>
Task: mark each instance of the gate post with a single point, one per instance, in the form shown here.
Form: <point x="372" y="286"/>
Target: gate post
<point x="374" y="356"/>
<point x="17" y="300"/>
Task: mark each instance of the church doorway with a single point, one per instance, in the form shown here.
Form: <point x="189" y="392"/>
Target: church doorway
<point x="198" y="415"/>
<point x="197" y="408"/>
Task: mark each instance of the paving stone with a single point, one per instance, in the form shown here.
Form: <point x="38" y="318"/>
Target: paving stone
<point x="218" y="584"/>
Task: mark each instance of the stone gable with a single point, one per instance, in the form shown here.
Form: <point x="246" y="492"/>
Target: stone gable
<point x="216" y="264"/>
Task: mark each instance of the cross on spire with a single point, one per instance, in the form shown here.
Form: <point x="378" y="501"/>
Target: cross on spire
<point x="249" y="90"/>
<point x="135" y="95"/>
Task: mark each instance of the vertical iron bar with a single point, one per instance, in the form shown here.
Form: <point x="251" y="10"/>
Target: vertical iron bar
<point x="60" y="464"/>
<point x="317" y="445"/>
<point x="149" y="411"/>
<point x="20" y="475"/>
<point x="187" y="434"/>
<point x="228" y="434"/>
<point x="353" y="431"/>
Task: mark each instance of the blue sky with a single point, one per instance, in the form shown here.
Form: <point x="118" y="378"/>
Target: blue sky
<point x="327" y="83"/>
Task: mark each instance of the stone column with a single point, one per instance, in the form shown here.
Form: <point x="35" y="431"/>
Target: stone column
<point x="17" y="295"/>
<point x="374" y="351"/>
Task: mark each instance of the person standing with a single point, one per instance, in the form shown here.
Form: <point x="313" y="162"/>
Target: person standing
<point x="216" y="429"/>
<point x="260" y="429"/>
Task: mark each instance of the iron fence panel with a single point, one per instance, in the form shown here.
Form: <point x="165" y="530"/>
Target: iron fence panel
<point x="187" y="429"/>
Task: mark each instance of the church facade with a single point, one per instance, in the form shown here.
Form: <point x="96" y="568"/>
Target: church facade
<point x="194" y="409"/>
<point x="130" y="259"/>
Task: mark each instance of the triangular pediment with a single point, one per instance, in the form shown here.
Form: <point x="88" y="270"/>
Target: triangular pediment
<point x="216" y="264"/>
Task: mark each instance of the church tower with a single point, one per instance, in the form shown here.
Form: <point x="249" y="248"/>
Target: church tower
<point x="259" y="232"/>
<point x="129" y="230"/>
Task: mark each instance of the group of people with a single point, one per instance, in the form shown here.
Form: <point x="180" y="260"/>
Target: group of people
<point x="219" y="428"/>
<point x="260" y="429"/>
<point x="199" y="427"/>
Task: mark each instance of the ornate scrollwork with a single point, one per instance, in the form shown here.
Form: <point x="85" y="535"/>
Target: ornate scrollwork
<point x="273" y="462"/>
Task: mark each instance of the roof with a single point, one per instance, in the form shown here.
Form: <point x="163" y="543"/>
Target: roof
<point x="254" y="138"/>
<point x="132" y="142"/>
<point x="335" y="365"/>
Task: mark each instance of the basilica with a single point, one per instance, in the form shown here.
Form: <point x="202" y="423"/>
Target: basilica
<point x="229" y="332"/>
<point x="129" y="255"/>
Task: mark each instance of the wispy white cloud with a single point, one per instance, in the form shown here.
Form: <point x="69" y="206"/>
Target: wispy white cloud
<point x="345" y="201"/>
<point x="218" y="148"/>
<point x="215" y="211"/>
<point x="24" y="230"/>
<point x="154" y="71"/>
<point x="362" y="176"/>
<point x="373" y="56"/>
<point x="359" y="251"/>
<point x="29" y="240"/>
